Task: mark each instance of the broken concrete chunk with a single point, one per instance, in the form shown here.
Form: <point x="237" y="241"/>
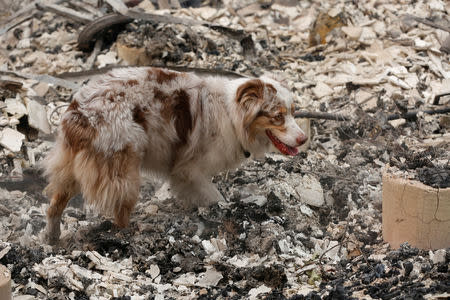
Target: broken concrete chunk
<point x="151" y="209"/>
<point x="147" y="6"/>
<point x="420" y="44"/>
<point x="259" y="200"/>
<point x="322" y="90"/>
<point x="438" y="256"/>
<point x="109" y="58"/>
<point x="11" y="139"/>
<point x="37" y="116"/>
<point x="15" y="107"/>
<point x="367" y="34"/>
<point x="367" y="81"/>
<point x="353" y="32"/>
<point x="362" y="96"/>
<point x="397" y="123"/>
<point x="209" y="278"/>
<point x="153" y="271"/>
<point x="306" y="210"/>
<point x="254" y="293"/>
<point x="163" y="192"/>
<point x="397" y="81"/>
<point x="310" y="191"/>
<point x="380" y="28"/>
<point x="133" y="56"/>
<point x="444" y="87"/>
<point x="23" y="44"/>
<point x="41" y="89"/>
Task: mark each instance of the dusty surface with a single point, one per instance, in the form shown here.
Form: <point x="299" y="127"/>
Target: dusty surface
<point x="307" y="227"/>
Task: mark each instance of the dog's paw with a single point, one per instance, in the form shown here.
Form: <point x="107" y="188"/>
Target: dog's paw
<point x="51" y="233"/>
<point x="51" y="238"/>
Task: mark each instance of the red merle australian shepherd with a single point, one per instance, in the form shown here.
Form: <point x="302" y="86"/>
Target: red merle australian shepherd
<point x="178" y="125"/>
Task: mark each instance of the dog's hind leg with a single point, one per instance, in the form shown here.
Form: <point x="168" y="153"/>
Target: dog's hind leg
<point x="58" y="203"/>
<point x="61" y="188"/>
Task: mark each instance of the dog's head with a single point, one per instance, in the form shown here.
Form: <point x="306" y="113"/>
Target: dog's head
<point x="268" y="118"/>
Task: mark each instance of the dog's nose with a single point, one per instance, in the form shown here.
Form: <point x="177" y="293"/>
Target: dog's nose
<point x="301" y="139"/>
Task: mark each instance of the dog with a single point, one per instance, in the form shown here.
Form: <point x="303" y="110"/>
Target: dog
<point x="177" y="125"/>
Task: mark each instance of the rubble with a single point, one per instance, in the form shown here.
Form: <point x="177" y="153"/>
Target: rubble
<point x="11" y="139"/>
<point x="372" y="77"/>
<point x="37" y="116"/>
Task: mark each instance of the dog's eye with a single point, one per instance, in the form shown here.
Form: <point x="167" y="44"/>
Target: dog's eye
<point x="278" y="119"/>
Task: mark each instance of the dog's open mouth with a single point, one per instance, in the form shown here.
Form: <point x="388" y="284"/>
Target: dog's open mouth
<point x="285" y="149"/>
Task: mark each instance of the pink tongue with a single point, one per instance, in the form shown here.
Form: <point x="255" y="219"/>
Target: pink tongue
<point x="285" y="149"/>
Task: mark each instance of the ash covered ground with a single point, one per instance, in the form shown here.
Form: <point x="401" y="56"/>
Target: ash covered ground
<point x="307" y="227"/>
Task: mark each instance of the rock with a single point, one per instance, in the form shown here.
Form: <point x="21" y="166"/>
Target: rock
<point x="399" y="82"/>
<point x="380" y="28"/>
<point x="37" y="116"/>
<point x="353" y="32"/>
<point x="310" y="191"/>
<point x="41" y="89"/>
<point x="153" y="271"/>
<point x="214" y="247"/>
<point x="11" y="139"/>
<point x="208" y="246"/>
<point x="444" y="87"/>
<point x="3" y="121"/>
<point x="259" y="200"/>
<point x="285" y="246"/>
<point x="367" y="100"/>
<point x="163" y="192"/>
<point x="255" y="292"/>
<point x="151" y="209"/>
<point x="420" y="44"/>
<point x="362" y="96"/>
<point x="15" y="107"/>
<point x="367" y="35"/>
<point x="209" y="278"/>
<point x="25" y="297"/>
<point x="133" y="56"/>
<point x="438" y="256"/>
<point x="397" y="123"/>
<point x="306" y="210"/>
<point x="408" y="266"/>
<point x="23" y="44"/>
<point x="321" y="90"/>
<point x="109" y="58"/>
<point x="147" y="6"/>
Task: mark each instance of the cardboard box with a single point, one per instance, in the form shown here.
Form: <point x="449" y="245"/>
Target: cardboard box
<point x="5" y="283"/>
<point x="415" y="213"/>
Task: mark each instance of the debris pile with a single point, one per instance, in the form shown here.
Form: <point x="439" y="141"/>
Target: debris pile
<point x="373" y="76"/>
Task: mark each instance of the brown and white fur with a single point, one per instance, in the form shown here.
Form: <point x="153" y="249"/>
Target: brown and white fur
<point x="177" y="125"/>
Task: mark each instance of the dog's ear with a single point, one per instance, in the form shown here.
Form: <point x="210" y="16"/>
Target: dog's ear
<point x="251" y="95"/>
<point x="250" y="92"/>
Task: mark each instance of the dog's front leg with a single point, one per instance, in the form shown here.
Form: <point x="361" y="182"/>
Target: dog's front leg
<point x="194" y="189"/>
